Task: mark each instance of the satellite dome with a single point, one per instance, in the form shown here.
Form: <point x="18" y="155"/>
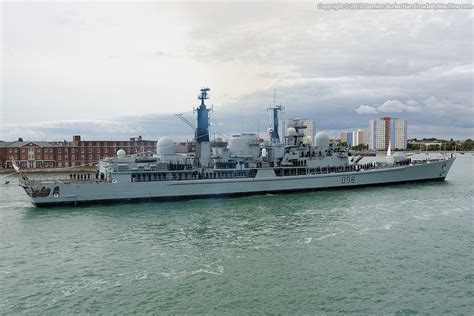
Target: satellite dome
<point x="121" y="153"/>
<point x="165" y="146"/>
<point x="321" y="139"/>
<point x="291" y="131"/>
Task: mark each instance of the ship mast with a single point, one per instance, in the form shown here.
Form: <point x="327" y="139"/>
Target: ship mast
<point x="275" y="137"/>
<point x="202" y="129"/>
<point x="201" y="135"/>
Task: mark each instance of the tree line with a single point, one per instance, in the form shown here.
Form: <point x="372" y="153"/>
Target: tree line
<point x="449" y="145"/>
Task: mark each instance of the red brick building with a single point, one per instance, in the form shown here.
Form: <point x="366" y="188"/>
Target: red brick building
<point x="27" y="154"/>
<point x="39" y="154"/>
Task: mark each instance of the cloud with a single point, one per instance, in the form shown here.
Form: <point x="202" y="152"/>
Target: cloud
<point x="366" y="109"/>
<point x="390" y="106"/>
<point x="324" y="66"/>
<point x="396" y="106"/>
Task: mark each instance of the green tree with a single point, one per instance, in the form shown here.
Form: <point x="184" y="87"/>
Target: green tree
<point x="414" y="146"/>
<point x="468" y="144"/>
<point x="361" y="147"/>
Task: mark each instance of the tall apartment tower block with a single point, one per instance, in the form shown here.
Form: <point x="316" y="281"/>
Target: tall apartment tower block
<point x="385" y="131"/>
<point x="354" y="138"/>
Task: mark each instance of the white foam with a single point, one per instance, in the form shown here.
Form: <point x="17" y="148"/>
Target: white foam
<point x="326" y="236"/>
<point x="141" y="276"/>
<point x="218" y="270"/>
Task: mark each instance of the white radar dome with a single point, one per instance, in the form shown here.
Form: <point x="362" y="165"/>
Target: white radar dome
<point x="291" y="131"/>
<point x="121" y="153"/>
<point x="165" y="146"/>
<point x="321" y="139"/>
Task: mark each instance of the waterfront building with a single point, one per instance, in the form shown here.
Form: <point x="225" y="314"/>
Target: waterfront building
<point x="385" y="131"/>
<point x="33" y="154"/>
<point x="359" y="137"/>
<point x="40" y="154"/>
<point x="353" y="138"/>
<point x="343" y="137"/>
<point x="350" y="138"/>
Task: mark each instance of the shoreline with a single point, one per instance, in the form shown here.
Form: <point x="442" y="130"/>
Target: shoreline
<point x="52" y="170"/>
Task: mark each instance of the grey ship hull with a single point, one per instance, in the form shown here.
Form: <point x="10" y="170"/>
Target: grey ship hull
<point x="265" y="182"/>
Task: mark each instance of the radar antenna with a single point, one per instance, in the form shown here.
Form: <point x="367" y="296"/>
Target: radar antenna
<point x="204" y="95"/>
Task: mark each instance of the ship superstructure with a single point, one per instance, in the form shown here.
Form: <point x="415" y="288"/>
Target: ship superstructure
<point x="246" y="165"/>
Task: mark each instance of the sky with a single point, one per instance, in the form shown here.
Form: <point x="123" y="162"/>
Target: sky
<point x="114" y="70"/>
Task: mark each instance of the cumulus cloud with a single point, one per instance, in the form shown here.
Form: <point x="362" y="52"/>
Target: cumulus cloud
<point x="397" y="106"/>
<point x="366" y="109"/>
<point x="390" y="106"/>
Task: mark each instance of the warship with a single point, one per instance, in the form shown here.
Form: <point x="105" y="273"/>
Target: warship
<point x="246" y="164"/>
